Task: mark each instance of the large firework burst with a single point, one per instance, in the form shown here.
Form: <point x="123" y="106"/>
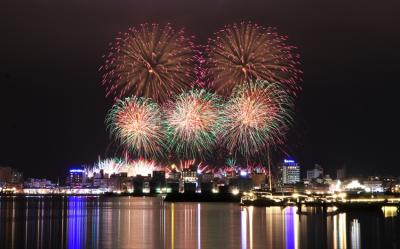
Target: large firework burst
<point x="256" y="118"/>
<point x="246" y="52"/>
<point x="150" y="61"/>
<point x="193" y="120"/>
<point x="137" y="124"/>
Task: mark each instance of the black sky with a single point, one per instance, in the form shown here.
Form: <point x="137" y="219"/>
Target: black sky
<point x="53" y="106"/>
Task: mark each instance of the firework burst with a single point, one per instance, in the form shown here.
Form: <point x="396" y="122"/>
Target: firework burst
<point x="137" y="124"/>
<point x="193" y="120"/>
<point x="150" y="61"/>
<point x="256" y="118"/>
<point x="246" y="52"/>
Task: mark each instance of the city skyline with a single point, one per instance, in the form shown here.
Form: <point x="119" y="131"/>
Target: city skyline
<point x="55" y="106"/>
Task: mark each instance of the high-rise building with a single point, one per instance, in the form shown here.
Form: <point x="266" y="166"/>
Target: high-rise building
<point x="5" y="174"/>
<point x="315" y="173"/>
<point x="157" y="181"/>
<point x="189" y="175"/>
<point x="290" y="172"/>
<point x="76" y="177"/>
<point x="341" y="173"/>
<point x="16" y="177"/>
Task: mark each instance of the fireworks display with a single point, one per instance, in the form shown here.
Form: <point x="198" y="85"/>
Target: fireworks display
<point x="150" y="61"/>
<point x="116" y="166"/>
<point x="253" y="66"/>
<point x="137" y="124"/>
<point x="142" y="167"/>
<point x="108" y="166"/>
<point x="200" y="167"/>
<point x="246" y="52"/>
<point x="193" y="120"/>
<point x="256" y="117"/>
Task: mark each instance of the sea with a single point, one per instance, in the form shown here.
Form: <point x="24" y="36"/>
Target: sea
<point x="77" y="222"/>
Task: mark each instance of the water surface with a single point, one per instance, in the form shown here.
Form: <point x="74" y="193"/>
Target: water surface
<point x="143" y="222"/>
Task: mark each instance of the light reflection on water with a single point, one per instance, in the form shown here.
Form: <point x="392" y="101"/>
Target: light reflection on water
<point x="126" y="222"/>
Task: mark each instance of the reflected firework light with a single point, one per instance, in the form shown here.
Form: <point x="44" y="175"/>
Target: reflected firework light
<point x="137" y="124"/>
<point x="193" y="119"/>
<point x="151" y="61"/>
<point x="246" y="52"/>
<point x="257" y="116"/>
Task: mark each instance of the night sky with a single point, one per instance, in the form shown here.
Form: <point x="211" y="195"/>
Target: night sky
<point x="53" y="105"/>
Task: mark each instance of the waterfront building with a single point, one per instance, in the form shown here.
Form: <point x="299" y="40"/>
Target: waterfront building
<point x="159" y="177"/>
<point x="395" y="188"/>
<point x="341" y="173"/>
<point x="5" y="175"/>
<point x="174" y="176"/>
<point x="158" y="182"/>
<point x="76" y="177"/>
<point x="373" y="185"/>
<point x="316" y="172"/>
<point x="206" y="178"/>
<point x="258" y="180"/>
<point x="189" y="175"/>
<point x="241" y="183"/>
<point x="290" y="171"/>
<point x="35" y="183"/>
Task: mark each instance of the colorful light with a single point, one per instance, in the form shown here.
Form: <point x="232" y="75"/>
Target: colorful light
<point x="255" y="118"/>
<point x="245" y="52"/>
<point x="137" y="124"/>
<point x="151" y="61"/>
<point x="193" y="119"/>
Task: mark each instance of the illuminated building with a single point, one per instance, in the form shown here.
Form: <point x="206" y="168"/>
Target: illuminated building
<point x="373" y="185"/>
<point x="189" y="175"/>
<point x="5" y="175"/>
<point x="290" y="172"/>
<point x="174" y="176"/>
<point x="258" y="180"/>
<point x="341" y="173"/>
<point x="33" y="183"/>
<point x="316" y="172"/>
<point x="76" y="176"/>
<point x="158" y="181"/>
<point x="159" y="177"/>
<point x="206" y="177"/>
<point x="396" y="188"/>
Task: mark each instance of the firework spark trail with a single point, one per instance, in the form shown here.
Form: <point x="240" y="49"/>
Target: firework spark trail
<point x="142" y="167"/>
<point x="137" y="124"/>
<point x="246" y="52"/>
<point x="151" y="61"/>
<point x="256" y="118"/>
<point x="193" y="120"/>
<point x="117" y="166"/>
<point x="108" y="166"/>
<point x="201" y="167"/>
